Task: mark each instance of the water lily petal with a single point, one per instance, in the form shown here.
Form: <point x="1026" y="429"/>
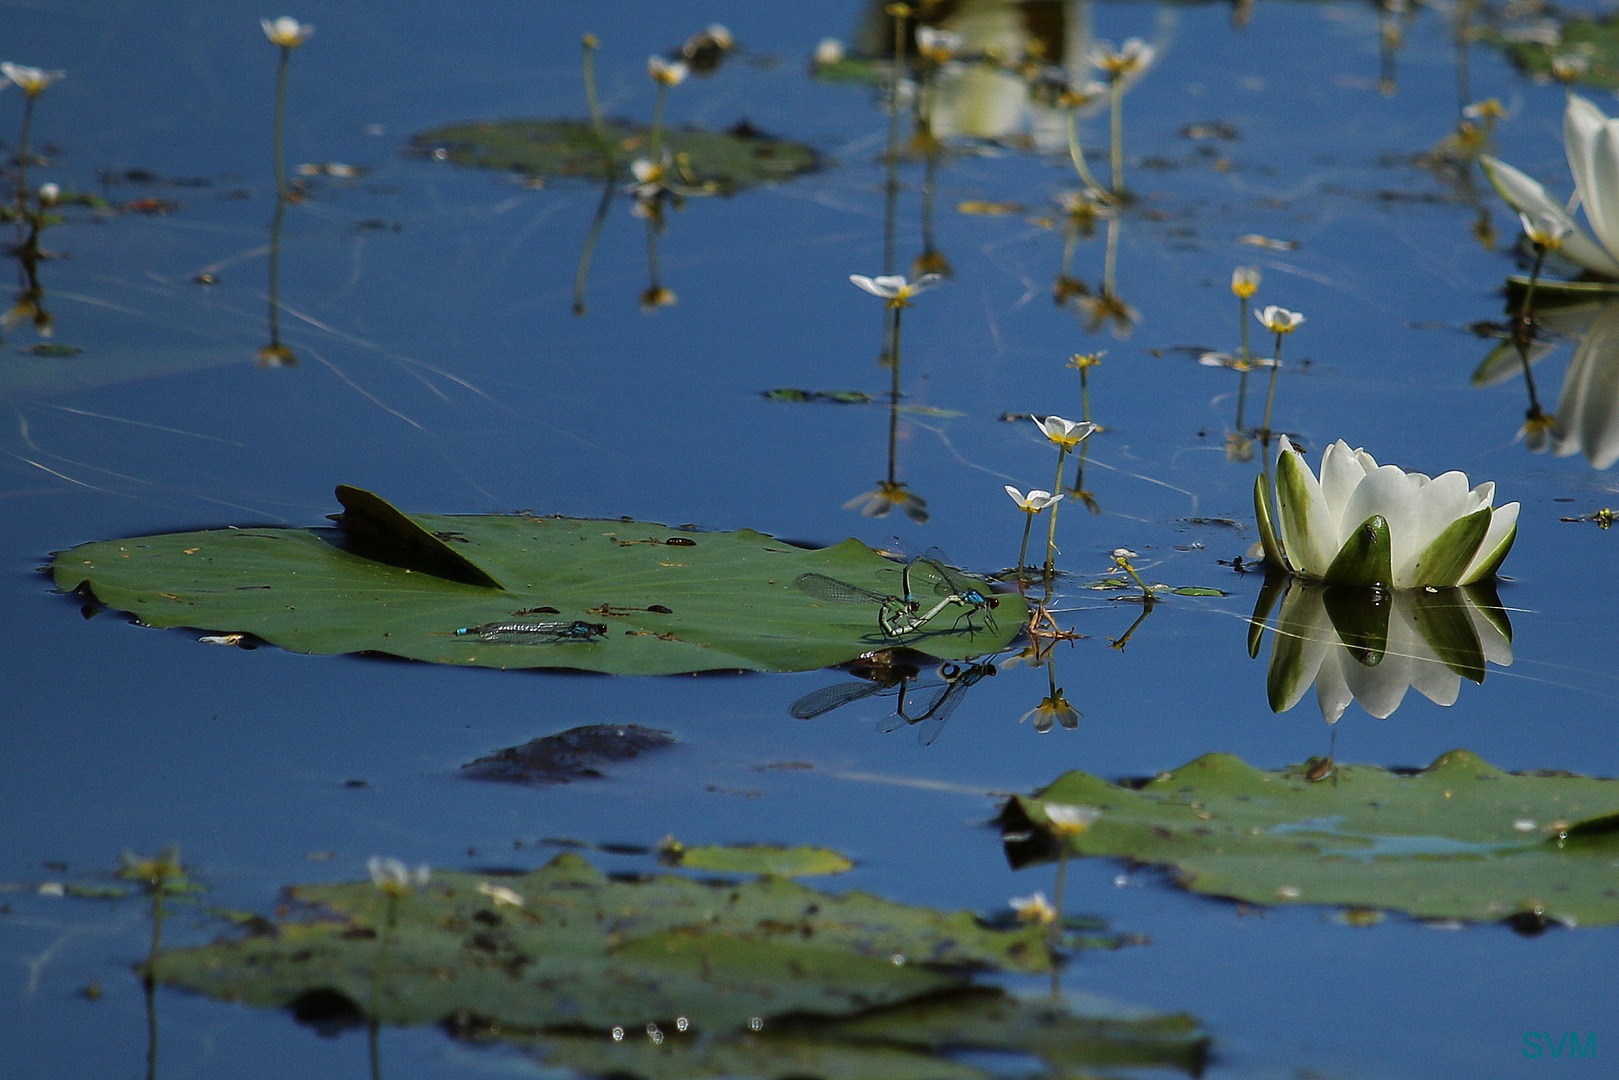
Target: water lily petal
<point x="1436" y="505"/>
<point x="1497" y="542"/>
<point x="1307" y="530"/>
<point x="1588" y="406"/>
<point x="1342" y="470"/>
<point x="1490" y="623"/>
<point x="1332" y="691"/>
<point x="1381" y="686"/>
<point x="1592" y="144"/>
<point x="1527" y="196"/>
<point x="1427" y="628"/>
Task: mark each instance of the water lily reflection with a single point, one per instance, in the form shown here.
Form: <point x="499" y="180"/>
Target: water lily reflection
<point x="1586" y="420"/>
<point x="1371" y="646"/>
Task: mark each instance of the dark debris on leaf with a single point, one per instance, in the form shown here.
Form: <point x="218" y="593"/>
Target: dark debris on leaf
<point x="570" y="755"/>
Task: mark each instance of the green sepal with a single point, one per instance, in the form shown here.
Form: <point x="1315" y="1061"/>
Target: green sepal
<point x="1442" y="620"/>
<point x="1268" y="540"/>
<point x="1360" y="617"/>
<point x="1268" y="595"/>
<point x="1493" y="562"/>
<point x="1293" y="481"/>
<point x="1365" y="558"/>
<point x="1443" y="562"/>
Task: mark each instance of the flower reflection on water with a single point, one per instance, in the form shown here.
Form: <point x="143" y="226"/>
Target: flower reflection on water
<point x="1371" y="646"/>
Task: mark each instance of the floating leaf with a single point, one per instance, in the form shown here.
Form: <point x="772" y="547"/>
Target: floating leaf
<point x="733" y="979"/>
<point x="1579" y="34"/>
<point x="758" y="859"/>
<point x="566" y="756"/>
<point x="1460" y="839"/>
<point x="724" y="161"/>
<point x="1198" y="590"/>
<point x="617" y="596"/>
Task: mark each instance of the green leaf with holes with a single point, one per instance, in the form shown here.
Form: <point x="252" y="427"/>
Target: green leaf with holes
<point x="1458" y="840"/>
<point x="698" y="978"/>
<point x="617" y="596"/>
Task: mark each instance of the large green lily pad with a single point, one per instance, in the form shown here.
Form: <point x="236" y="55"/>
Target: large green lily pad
<point x="1459" y="840"/>
<point x="650" y="600"/>
<point x="733" y="979"/>
<point x="723" y="161"/>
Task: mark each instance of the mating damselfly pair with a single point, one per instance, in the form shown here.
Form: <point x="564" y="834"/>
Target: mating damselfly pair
<point x="534" y="633"/>
<point x="923" y="703"/>
<point x="928" y="588"/>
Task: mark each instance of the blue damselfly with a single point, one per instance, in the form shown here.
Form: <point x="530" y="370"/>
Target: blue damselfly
<point x="895" y="615"/>
<point x="535" y="633"/>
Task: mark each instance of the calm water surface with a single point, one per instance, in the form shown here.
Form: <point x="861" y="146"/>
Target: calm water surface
<point x="442" y="368"/>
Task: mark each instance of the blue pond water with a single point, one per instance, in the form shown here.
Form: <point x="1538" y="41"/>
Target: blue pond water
<point x="442" y="368"/>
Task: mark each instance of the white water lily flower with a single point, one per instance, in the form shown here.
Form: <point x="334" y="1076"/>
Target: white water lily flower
<point x="1035" y="501"/>
<point x="1065" y="433"/>
<point x="286" y="31"/>
<point x="1364" y="524"/>
<point x="894" y="288"/>
<point x="1373" y="652"/>
<point x="1591" y="141"/>
<point x="32" y="80"/>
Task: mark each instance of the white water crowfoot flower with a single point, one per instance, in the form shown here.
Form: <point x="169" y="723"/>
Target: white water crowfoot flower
<point x="1066" y="434"/>
<point x="666" y="72"/>
<point x="1066" y="819"/>
<point x="1052" y="711"/>
<point x="1126" y="65"/>
<point x="392" y="877"/>
<point x="1544" y="232"/>
<point x="1362" y="524"/>
<point x="1245" y="281"/>
<point x="1034" y="502"/>
<point x="1591" y="140"/>
<point x="286" y="31"/>
<point x="32" y="81"/>
<point x="1034" y="909"/>
<point x="1279" y="320"/>
<point x="894" y="288"/>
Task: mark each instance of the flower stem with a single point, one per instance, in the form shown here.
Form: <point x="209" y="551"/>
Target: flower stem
<point x="893" y="389"/>
<point x="592" y="101"/>
<point x="1076" y="153"/>
<point x="1247" y="360"/>
<point x="22" y="154"/>
<point x="278" y="137"/>
<point x="1523" y="332"/>
<point x="1116" y="154"/>
<point x="656" y="137"/>
<point x="1051" y="535"/>
<point x="1270" y="394"/>
<point x="1023" y="551"/>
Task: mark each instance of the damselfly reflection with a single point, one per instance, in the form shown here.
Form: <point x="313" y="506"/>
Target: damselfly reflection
<point x="925" y="704"/>
<point x="537" y="633"/>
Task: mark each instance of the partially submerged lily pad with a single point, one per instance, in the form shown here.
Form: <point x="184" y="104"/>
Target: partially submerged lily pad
<point x="723" y="161"/>
<point x="559" y="958"/>
<point x="1458" y="840"/>
<point x="517" y="591"/>
<point x="569" y="755"/>
<point x="756" y="859"/>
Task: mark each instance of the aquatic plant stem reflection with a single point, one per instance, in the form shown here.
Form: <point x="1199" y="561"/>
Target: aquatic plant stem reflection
<point x="286" y="34"/>
<point x="1545" y="235"/>
<point x="159" y="877"/>
<point x="897" y="83"/>
<point x="581" y="276"/>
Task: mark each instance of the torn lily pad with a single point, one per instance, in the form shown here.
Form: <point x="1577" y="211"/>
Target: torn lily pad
<point x="517" y="591"/>
<point x="1458" y="840"/>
